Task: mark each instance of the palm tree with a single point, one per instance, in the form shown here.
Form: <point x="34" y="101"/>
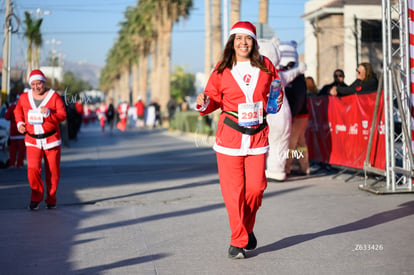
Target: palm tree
<point x="263" y="11"/>
<point x="234" y="12"/>
<point x="38" y="42"/>
<point x="139" y="32"/>
<point x="217" y="33"/>
<point x="166" y="13"/>
<point x="207" y="22"/>
<point x="33" y="36"/>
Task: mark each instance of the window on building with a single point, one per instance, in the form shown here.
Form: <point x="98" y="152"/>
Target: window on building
<point x="371" y="31"/>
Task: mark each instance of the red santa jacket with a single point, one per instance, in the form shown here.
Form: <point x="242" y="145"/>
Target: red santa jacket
<point x="226" y="91"/>
<point x="123" y="110"/>
<point x="14" y="133"/>
<point x="101" y="112"/>
<point x="50" y="125"/>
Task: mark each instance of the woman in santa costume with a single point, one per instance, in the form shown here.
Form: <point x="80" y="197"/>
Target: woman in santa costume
<point x="239" y="86"/>
<point x="38" y="114"/>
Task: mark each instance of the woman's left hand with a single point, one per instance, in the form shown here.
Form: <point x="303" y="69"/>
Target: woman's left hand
<point x="280" y="100"/>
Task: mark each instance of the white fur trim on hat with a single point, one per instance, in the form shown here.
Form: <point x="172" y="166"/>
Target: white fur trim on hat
<point x="243" y="31"/>
<point x="36" y="75"/>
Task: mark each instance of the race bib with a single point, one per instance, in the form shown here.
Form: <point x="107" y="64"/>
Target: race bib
<point x="250" y="114"/>
<point x="35" y="117"/>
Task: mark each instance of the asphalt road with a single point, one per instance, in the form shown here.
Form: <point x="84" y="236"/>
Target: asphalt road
<point x="149" y="202"/>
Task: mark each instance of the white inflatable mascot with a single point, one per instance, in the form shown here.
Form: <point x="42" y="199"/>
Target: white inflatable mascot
<point x="280" y="124"/>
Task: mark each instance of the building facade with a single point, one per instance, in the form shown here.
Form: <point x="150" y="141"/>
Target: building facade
<point x="341" y="34"/>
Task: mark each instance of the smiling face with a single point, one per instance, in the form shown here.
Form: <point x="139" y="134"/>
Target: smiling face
<point x="243" y="45"/>
<point x="38" y="87"/>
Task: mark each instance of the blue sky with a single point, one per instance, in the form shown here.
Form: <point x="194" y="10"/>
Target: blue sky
<point x="87" y="29"/>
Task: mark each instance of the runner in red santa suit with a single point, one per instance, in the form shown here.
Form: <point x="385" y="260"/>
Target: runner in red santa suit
<point x="123" y="115"/>
<point x="38" y="114"/>
<point x="16" y="139"/>
<point x="239" y="86"/>
<point x="101" y="114"/>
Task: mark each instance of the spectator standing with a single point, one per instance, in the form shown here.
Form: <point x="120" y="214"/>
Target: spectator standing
<point x="365" y="83"/>
<point x="38" y="114"/>
<point x="140" y="107"/>
<point x="280" y="124"/>
<point x="78" y="118"/>
<point x="296" y="94"/>
<point x="311" y="89"/>
<point x="158" y="118"/>
<point x="110" y="114"/>
<point x="339" y="81"/>
<point x="171" y="107"/>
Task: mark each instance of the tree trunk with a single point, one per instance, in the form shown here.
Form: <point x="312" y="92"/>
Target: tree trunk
<point x="29" y="62"/>
<point x="135" y="82"/>
<point x="217" y="33"/>
<point x="125" y="84"/>
<point x="263" y="11"/>
<point x="165" y="67"/>
<point x="143" y="78"/>
<point x="154" y="71"/>
<point x="207" y="56"/>
<point x="37" y="57"/>
<point x="234" y="12"/>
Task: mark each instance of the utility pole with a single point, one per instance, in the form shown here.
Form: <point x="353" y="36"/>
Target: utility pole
<point x="5" y="73"/>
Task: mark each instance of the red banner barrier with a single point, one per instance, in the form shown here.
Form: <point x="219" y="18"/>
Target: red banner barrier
<point x="339" y="128"/>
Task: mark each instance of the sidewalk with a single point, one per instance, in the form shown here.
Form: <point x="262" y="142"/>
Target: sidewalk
<point x="149" y="202"/>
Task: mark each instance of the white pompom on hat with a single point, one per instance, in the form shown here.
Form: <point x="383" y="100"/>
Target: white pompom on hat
<point x="36" y="75"/>
<point x="244" y="27"/>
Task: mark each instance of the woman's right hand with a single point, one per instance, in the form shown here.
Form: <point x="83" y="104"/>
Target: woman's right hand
<point x="22" y="128"/>
<point x="201" y="99"/>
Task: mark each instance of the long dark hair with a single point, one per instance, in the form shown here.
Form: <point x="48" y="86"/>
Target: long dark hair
<point x="369" y="72"/>
<point x="228" y="58"/>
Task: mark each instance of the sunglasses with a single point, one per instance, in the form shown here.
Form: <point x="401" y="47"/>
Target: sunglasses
<point x="358" y="72"/>
<point x="339" y="75"/>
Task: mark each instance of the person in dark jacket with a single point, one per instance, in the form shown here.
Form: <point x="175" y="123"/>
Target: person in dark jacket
<point x="297" y="97"/>
<point x="339" y="77"/>
<point x="365" y="83"/>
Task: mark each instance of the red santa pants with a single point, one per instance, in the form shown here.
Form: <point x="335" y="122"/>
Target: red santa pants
<point x="102" y="122"/>
<point x="52" y="171"/>
<point x="122" y="124"/>
<point x="17" y="147"/>
<point x="242" y="182"/>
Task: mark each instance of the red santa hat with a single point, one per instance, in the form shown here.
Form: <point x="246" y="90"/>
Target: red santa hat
<point x="244" y="27"/>
<point x="36" y="75"/>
